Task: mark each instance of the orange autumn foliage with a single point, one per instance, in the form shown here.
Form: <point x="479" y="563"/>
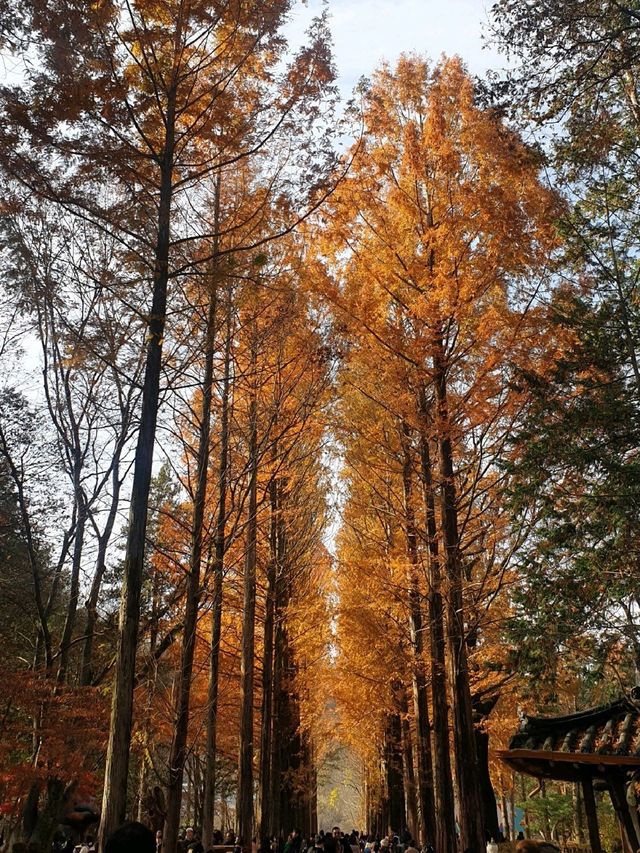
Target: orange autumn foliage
<point x="64" y="748"/>
<point x="435" y="244"/>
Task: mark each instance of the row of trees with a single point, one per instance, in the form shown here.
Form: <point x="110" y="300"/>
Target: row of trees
<point x="489" y="413"/>
<point x="150" y="168"/>
<point x="445" y="222"/>
<point x="208" y="310"/>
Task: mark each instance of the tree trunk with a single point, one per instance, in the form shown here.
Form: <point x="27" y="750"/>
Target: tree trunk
<point x="57" y="800"/>
<point x="74" y="586"/>
<point x="545" y="810"/>
<point x="395" y="775"/>
<point x="487" y="794"/>
<point x="266" y="745"/>
<point x="445" y="830"/>
<point x="471" y="830"/>
<point x="292" y="747"/>
<point x="244" y="808"/>
<point x="276" y="815"/>
<point x="411" y="807"/>
<point x="274" y="823"/>
<point x="142" y="789"/>
<point x="178" y="752"/>
<point x="208" y="796"/>
<point x="384" y="799"/>
<point x="86" y="676"/>
<point x="313" y="791"/>
<point x="426" y="806"/>
<point x="197" y="789"/>
<point x="114" y="800"/>
<point x="146" y="745"/>
<point x="286" y="751"/>
<point x="367" y="807"/>
<point x="524" y="797"/>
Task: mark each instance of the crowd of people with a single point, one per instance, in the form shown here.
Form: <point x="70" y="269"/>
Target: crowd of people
<point x="337" y="841"/>
<point x="334" y="841"/>
<point x="136" y="838"/>
<point x="133" y="837"/>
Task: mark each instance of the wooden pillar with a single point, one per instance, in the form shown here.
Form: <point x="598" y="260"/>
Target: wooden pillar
<point x="619" y="800"/>
<point x="579" y="814"/>
<point x="592" y="814"/>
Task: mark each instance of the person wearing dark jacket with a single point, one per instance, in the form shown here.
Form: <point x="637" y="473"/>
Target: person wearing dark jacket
<point x="131" y="837"/>
<point x="191" y="843"/>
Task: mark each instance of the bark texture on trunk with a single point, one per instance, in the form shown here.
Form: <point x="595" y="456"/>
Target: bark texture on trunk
<point x="395" y="774"/>
<point x="445" y="829"/>
<point x="411" y="807"/>
<point x="266" y="741"/>
<point x="467" y="777"/>
<point x="487" y="794"/>
<point x="426" y="805"/>
<point x="208" y="796"/>
<point x="244" y="807"/>
<point x="289" y="800"/>
<point x="146" y="746"/>
<point x="482" y="707"/>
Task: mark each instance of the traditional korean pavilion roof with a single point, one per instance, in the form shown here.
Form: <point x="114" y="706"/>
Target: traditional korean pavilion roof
<point x="595" y="742"/>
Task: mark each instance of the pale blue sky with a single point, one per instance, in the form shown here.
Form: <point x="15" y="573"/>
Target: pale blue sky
<point x="368" y="31"/>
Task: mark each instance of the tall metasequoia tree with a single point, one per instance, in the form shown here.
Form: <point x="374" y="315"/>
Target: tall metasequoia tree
<point x="300" y="384"/>
<point x="219" y="550"/>
<point x="267" y="732"/>
<point x="177" y="754"/>
<point x="244" y="808"/>
<point x="441" y="219"/>
<point x="290" y="371"/>
<point x="278" y="369"/>
<point x="297" y="647"/>
<point x="424" y="764"/>
<point x="374" y="632"/>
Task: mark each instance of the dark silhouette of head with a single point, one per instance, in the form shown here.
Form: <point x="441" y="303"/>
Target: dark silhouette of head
<point x="527" y="845"/>
<point x="131" y="837"/>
